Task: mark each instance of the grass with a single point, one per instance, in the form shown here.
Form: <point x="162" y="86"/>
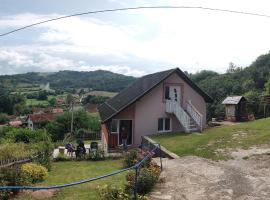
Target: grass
<point x="102" y="93"/>
<point x="213" y="142"/>
<point x="35" y="102"/>
<point x="70" y="171"/>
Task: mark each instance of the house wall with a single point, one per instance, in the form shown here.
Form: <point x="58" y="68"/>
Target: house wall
<point x="146" y="111"/>
<point x="152" y="106"/>
<point x="30" y="124"/>
<point x="189" y="93"/>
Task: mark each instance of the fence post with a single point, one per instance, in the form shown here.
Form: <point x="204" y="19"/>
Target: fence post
<point x="160" y="156"/>
<point x="136" y="183"/>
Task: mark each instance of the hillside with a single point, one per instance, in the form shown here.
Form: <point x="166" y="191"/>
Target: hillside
<point x="66" y="80"/>
<point x="252" y="82"/>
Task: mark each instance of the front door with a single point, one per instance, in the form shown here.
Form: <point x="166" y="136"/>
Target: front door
<point x="125" y="126"/>
<point x="175" y="93"/>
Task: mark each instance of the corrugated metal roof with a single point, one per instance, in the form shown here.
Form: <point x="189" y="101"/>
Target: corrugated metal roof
<point x="232" y="100"/>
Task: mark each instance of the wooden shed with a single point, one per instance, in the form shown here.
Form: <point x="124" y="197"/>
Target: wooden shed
<point x="236" y="108"/>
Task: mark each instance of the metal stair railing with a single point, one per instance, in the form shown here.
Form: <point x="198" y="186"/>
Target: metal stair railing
<point x="179" y="112"/>
<point x="195" y="115"/>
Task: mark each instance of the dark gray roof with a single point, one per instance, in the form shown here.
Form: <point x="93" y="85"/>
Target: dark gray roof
<point x="138" y="89"/>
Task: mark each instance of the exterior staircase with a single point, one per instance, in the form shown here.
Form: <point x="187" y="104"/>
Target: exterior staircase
<point x="190" y="119"/>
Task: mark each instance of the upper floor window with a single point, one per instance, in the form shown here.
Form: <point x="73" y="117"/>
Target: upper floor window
<point x="167" y="93"/>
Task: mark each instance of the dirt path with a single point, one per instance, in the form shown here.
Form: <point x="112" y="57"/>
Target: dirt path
<point x="194" y="178"/>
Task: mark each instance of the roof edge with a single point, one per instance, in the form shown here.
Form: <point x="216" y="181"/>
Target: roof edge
<point x="182" y="75"/>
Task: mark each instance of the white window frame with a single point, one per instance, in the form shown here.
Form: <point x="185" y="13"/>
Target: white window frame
<point x="163" y="119"/>
<point x="117" y="124"/>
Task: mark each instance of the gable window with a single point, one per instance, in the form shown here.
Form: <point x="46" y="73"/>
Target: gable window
<point x="164" y="124"/>
<point x="114" y="126"/>
<point x="167" y="93"/>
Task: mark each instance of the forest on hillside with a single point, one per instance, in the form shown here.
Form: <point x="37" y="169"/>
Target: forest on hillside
<point x="67" y="80"/>
<point x="252" y="82"/>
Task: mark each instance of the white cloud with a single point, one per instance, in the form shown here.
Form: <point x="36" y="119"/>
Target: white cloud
<point x="14" y="61"/>
<point x="191" y="39"/>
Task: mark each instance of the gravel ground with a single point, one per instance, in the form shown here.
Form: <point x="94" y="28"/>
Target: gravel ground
<point x="246" y="177"/>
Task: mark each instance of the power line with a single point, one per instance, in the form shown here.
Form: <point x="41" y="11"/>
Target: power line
<point x="137" y="8"/>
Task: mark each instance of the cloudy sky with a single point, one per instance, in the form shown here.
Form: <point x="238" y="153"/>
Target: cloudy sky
<point x="131" y="42"/>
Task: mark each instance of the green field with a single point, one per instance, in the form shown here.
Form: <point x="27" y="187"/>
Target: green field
<point x="213" y="142"/>
<point x="102" y="93"/>
<point x="36" y="102"/>
<point x="70" y="171"/>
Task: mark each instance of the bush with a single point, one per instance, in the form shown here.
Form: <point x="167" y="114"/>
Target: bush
<point x="134" y="156"/>
<point x="110" y="193"/>
<point x="148" y="176"/>
<point x="3" y="119"/>
<point x="34" y="172"/>
<point x="11" y="176"/>
<point x="130" y="158"/>
<point x="96" y="155"/>
<point x="62" y="158"/>
<point x="113" y="193"/>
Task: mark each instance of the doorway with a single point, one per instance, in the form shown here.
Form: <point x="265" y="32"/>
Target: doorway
<point x="125" y="125"/>
<point x="175" y="93"/>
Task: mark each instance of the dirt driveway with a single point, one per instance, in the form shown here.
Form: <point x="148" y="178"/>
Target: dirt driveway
<point x="245" y="177"/>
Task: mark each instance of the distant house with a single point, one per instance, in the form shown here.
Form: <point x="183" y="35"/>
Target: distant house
<point x="235" y="108"/>
<point x="57" y="110"/>
<point x="38" y="110"/>
<point x="92" y="108"/>
<point x="35" y="120"/>
<point x="15" y="123"/>
<point x="162" y="102"/>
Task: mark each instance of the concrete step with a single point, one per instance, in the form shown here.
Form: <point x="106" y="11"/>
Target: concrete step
<point x="194" y="129"/>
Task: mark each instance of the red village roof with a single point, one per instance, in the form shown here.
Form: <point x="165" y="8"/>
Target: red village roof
<point x="15" y="123"/>
<point x="57" y="110"/>
<point x="37" y="118"/>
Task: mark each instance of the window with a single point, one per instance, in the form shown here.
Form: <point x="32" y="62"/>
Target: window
<point x="167" y="124"/>
<point x="167" y="92"/>
<point x="114" y="126"/>
<point x="164" y="124"/>
<point x="160" y="124"/>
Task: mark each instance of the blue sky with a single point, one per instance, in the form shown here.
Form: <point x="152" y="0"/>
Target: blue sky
<point x="134" y="42"/>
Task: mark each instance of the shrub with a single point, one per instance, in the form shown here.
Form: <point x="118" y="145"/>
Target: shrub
<point x="3" y="119"/>
<point x="34" y="172"/>
<point x="62" y="158"/>
<point x="11" y="176"/>
<point x="114" y="193"/>
<point x="96" y="155"/>
<point x="134" y="156"/>
<point x="110" y="193"/>
<point x="148" y="176"/>
<point x="130" y="158"/>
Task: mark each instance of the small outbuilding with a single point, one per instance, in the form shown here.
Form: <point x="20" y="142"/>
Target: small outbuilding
<point x="236" y="108"/>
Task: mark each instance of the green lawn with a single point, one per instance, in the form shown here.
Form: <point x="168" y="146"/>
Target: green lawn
<point x="35" y="102"/>
<point x="212" y="143"/>
<point x="70" y="171"/>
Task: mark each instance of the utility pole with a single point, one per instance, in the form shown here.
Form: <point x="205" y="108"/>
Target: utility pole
<point x="71" y="125"/>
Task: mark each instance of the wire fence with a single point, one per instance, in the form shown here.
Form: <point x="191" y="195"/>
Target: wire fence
<point x="136" y="167"/>
<point x="15" y="161"/>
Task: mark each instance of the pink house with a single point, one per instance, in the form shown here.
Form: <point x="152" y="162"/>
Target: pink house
<point x="162" y="102"/>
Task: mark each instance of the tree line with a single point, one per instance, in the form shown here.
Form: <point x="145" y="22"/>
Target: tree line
<point x="252" y="82"/>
